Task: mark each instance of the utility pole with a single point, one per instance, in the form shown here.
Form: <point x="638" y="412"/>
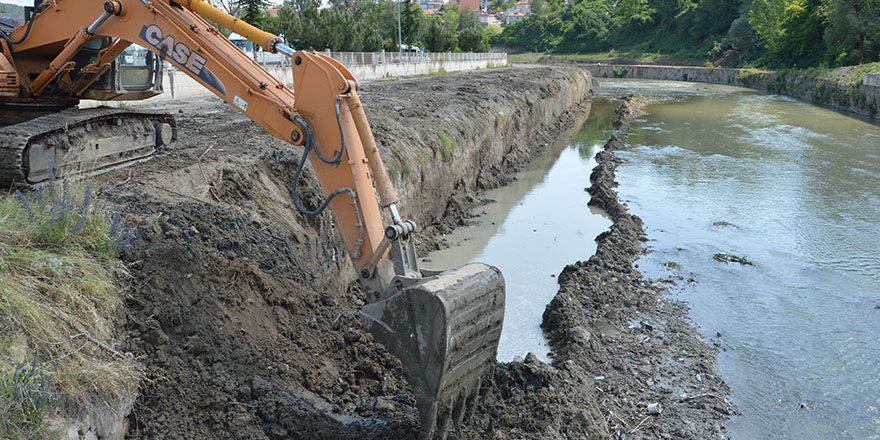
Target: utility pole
<point x="399" y="40"/>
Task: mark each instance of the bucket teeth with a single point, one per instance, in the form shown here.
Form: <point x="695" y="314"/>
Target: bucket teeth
<point x="445" y="331"/>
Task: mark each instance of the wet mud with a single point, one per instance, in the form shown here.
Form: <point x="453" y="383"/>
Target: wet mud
<point x="637" y="346"/>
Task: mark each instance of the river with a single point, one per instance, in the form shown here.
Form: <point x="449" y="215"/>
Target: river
<point x="795" y="189"/>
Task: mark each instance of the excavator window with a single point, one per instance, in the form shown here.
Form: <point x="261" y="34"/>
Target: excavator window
<point x="137" y="68"/>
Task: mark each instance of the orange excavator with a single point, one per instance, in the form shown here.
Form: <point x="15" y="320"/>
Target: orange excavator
<point x="444" y="326"/>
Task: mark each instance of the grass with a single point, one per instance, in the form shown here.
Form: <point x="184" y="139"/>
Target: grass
<point x="448" y="145"/>
<point x="723" y="224"/>
<point x="637" y="57"/>
<point x="59" y="307"/>
<point x="24" y="397"/>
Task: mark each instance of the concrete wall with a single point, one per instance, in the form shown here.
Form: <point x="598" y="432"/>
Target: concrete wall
<point x="863" y="98"/>
<point x="364" y="66"/>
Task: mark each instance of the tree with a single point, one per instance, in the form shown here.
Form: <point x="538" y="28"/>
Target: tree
<point x="852" y="34"/>
<point x="435" y="37"/>
<point x="253" y="11"/>
<point x="473" y="40"/>
<point x="633" y="11"/>
<point x="411" y="22"/>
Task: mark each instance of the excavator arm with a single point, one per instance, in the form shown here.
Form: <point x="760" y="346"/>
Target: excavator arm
<point x="444" y="326"/>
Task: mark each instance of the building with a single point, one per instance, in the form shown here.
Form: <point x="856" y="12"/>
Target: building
<point x="514" y="16"/>
<point x="471" y="5"/>
<point x="432" y="5"/>
<point x="521" y="7"/>
<point x="488" y="19"/>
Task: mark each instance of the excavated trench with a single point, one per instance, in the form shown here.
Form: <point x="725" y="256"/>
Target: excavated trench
<point x="244" y="313"/>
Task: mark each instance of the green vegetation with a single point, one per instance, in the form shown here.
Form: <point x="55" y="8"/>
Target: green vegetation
<point x="9" y="8"/>
<point x="723" y="224"/>
<point x="252" y="11"/>
<point x="448" y="145"/>
<point x="772" y="33"/>
<point x="59" y="306"/>
<point x="25" y="393"/>
<point x="349" y="25"/>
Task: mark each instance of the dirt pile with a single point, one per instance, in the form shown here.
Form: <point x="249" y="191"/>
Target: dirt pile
<point x="244" y="313"/>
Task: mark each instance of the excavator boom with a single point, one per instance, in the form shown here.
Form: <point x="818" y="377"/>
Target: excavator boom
<point x="444" y="326"/>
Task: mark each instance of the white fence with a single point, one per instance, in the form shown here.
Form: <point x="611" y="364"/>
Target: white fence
<point x="363" y="65"/>
<point x="354" y="58"/>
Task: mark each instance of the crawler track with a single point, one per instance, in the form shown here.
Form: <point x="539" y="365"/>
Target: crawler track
<point x="78" y="141"/>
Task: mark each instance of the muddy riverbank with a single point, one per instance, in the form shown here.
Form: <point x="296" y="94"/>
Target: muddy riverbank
<point x="612" y="322"/>
<point x="244" y="313"/>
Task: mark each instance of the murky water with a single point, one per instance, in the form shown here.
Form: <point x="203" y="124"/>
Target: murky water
<point x="800" y="187"/>
<point x="536" y="226"/>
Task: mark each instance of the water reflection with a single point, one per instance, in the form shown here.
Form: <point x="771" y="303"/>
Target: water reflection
<point x="536" y="226"/>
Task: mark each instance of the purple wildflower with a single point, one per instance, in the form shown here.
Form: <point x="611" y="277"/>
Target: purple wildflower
<point x="87" y="199"/>
<point x="25" y="203"/>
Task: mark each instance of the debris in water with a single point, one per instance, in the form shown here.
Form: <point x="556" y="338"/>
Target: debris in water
<point x="727" y="258"/>
<point x="672" y="265"/>
<point x="724" y="224"/>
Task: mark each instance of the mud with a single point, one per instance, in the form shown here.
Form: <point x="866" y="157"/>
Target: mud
<point x="244" y="313"/>
<point x="617" y="346"/>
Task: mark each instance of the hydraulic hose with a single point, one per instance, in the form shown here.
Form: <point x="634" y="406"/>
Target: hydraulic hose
<point x="27" y="30"/>
<point x="308" y="147"/>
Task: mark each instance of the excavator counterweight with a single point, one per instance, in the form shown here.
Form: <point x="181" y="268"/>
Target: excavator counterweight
<point x="444" y="326"/>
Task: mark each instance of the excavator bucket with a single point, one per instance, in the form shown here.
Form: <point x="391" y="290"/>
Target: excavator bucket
<point x="445" y="330"/>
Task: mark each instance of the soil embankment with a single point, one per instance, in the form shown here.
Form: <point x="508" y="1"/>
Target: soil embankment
<point x="844" y="88"/>
<point x="244" y="313"/>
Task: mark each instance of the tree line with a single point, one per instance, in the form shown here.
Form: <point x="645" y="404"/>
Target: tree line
<point x="369" y="25"/>
<point x="773" y="33"/>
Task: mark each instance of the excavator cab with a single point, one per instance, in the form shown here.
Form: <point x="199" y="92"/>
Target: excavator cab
<point x="135" y="74"/>
<point x="138" y="70"/>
